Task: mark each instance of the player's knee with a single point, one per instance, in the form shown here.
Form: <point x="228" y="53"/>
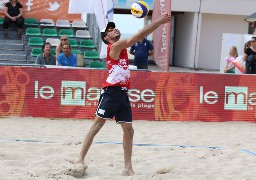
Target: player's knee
<point x="129" y="131"/>
<point x="98" y="125"/>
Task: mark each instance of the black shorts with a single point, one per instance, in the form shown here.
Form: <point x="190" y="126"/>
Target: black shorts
<point x="114" y="102"/>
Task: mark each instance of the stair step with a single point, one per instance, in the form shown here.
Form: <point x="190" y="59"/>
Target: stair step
<point x="12" y="46"/>
<point x="13" y="57"/>
<point x="12" y="62"/>
<point x="10" y="41"/>
<point x="11" y="52"/>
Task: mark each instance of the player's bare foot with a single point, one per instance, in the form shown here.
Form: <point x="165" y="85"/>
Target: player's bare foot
<point x="75" y="168"/>
<point x="127" y="172"/>
<point x="75" y="161"/>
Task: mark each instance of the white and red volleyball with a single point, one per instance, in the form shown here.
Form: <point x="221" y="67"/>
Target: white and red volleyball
<point x="139" y="9"/>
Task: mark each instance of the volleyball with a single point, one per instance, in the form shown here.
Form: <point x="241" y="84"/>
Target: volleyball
<point x="139" y="9"/>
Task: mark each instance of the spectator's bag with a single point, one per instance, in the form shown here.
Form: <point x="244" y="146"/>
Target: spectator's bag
<point x="80" y="60"/>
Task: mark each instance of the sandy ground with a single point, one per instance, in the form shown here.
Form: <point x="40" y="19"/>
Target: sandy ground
<point x="37" y="148"/>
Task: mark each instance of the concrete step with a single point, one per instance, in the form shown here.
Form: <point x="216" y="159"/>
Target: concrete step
<point x="10" y="41"/>
<point x="12" y="46"/>
<point x="8" y="61"/>
<point x="13" y="57"/>
<point x="11" y="52"/>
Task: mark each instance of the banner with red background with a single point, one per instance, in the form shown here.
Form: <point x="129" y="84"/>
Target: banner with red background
<point x="45" y="9"/>
<point x="162" y="35"/>
<point x="74" y="93"/>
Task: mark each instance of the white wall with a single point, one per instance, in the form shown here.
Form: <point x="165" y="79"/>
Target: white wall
<point x="236" y="7"/>
<point x="198" y="39"/>
<point x="185" y="5"/>
<point x="185" y="39"/>
<point x="212" y="28"/>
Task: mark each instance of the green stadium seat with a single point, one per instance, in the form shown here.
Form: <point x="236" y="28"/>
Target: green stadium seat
<point x="91" y="55"/>
<point x="33" y="32"/>
<point x="67" y="32"/>
<point x="30" y="22"/>
<point x="53" y="52"/>
<point x="76" y="51"/>
<point x="1" y="20"/>
<point x="73" y="42"/>
<point x="35" y="41"/>
<point x="36" y="51"/>
<point x="50" y="32"/>
<point x="96" y="64"/>
<point x="87" y="43"/>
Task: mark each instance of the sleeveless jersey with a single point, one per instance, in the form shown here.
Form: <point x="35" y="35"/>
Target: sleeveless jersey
<point x="118" y="70"/>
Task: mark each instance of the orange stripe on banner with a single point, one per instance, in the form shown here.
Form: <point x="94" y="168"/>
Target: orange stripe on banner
<point x="47" y="9"/>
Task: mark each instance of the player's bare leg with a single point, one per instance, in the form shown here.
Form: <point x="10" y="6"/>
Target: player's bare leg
<point x="127" y="146"/>
<point x="97" y="125"/>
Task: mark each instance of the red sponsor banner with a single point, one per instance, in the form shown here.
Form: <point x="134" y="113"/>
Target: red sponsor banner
<point x="47" y="9"/>
<point x="74" y="93"/>
<point x="162" y="35"/>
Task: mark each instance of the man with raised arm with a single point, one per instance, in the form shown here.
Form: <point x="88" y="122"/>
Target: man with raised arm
<point x="114" y="101"/>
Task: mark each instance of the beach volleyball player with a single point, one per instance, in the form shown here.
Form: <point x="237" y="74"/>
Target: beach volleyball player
<point x="114" y="101"/>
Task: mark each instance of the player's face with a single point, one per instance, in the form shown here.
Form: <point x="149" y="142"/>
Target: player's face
<point x="114" y="34"/>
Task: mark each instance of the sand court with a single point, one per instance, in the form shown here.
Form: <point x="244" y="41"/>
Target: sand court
<point x="38" y="148"/>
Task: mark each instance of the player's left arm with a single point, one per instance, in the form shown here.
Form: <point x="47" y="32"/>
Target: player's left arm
<point x="117" y="47"/>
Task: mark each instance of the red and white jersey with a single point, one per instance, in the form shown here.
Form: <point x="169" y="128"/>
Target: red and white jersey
<point x="118" y="70"/>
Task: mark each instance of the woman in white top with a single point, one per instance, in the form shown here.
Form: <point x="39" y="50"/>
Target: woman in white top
<point x="230" y="68"/>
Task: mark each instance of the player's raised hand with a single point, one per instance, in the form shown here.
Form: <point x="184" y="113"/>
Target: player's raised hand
<point x="165" y="18"/>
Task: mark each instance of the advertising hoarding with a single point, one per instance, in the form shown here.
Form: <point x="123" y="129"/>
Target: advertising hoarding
<point x="160" y="96"/>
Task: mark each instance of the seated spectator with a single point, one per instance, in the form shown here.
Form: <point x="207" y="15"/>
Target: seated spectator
<point x="13" y="14"/>
<point x="67" y="58"/>
<point x="59" y="48"/>
<point x="46" y="58"/>
<point x="230" y="68"/>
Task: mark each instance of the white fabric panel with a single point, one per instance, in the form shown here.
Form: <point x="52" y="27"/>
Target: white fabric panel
<point x="80" y="6"/>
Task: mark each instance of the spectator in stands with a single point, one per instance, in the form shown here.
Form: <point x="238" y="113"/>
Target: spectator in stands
<point x="13" y="14"/>
<point x="250" y="57"/>
<point x="67" y="58"/>
<point x="46" y="58"/>
<point x="232" y="55"/>
<point x="59" y="48"/>
<point x="141" y="51"/>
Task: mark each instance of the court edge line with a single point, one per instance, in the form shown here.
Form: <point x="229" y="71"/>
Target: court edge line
<point x="135" y="144"/>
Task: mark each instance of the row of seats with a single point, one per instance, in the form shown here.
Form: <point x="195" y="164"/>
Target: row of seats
<point x="49" y="22"/>
<point x="59" y="23"/>
<point x="96" y="64"/>
<point x="85" y="43"/>
<point x="52" y="32"/>
<point x="89" y="54"/>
